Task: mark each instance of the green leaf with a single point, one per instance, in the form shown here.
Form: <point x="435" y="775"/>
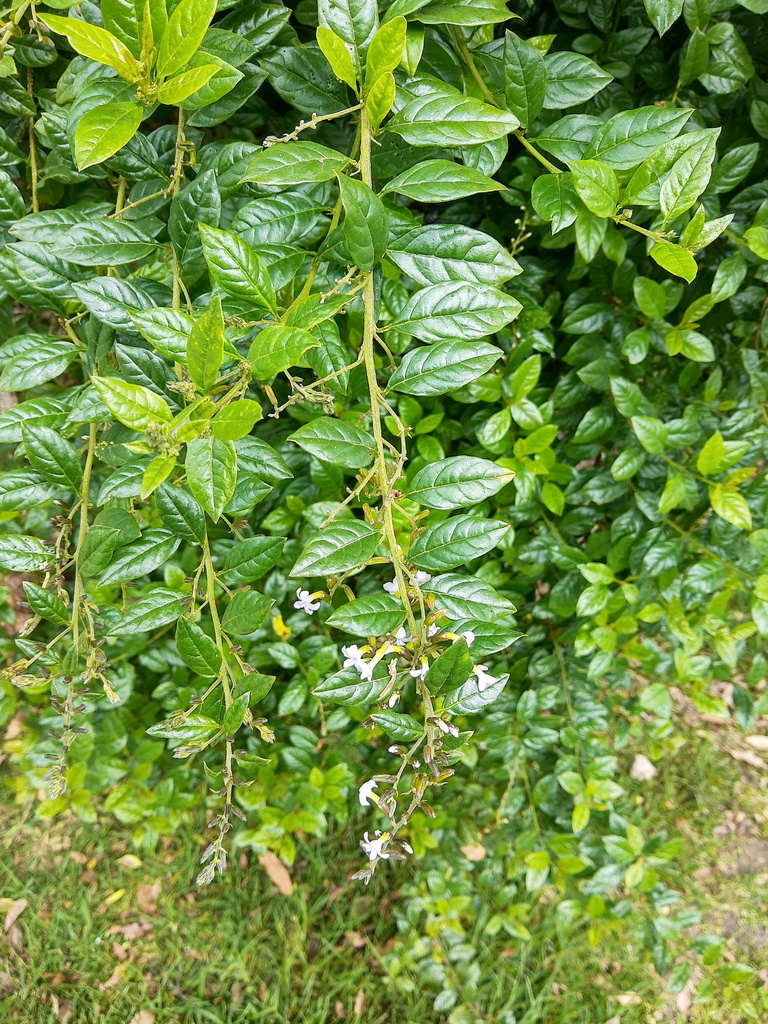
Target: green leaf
<point x="294" y="163"/>
<point x="453" y="668"/>
<point x="380" y="99"/>
<point x="235" y="713"/>
<point x="692" y="344"/>
<point x="105" y="243"/>
<point x="525" y="79"/>
<point x="159" y="469"/>
<point x="651" y="433"/>
<point x="205" y="347"/>
<point x="366" y="223"/>
<point x="337" y="55"/>
<point x="572" y="78"/>
<point x="237" y="269"/>
<point x="336" y="441"/>
<point x="687" y="179"/>
<point x="675" y="259"/>
<point x="211" y="473"/>
<point x="181" y="87"/>
<point x="554" y="198"/>
<point x="627" y="138"/>
<point x="386" y="49"/>
<point x="97" y="43"/>
<point x="19" y="553"/>
<point x="442" y="116"/>
<point x="50" y="454"/>
<point x="103" y="131"/>
<point x="443" y="367"/>
<point x="277" y="348"/>
<point x="140" y="558"/>
<point x="251" y="558"/>
<point x="97" y="550"/>
<point x="245" y="613"/>
<point x="597" y="186"/>
<point x="757" y="240"/>
<point x="198" y="651"/>
<point x="338" y="548"/>
<point x="663" y="13"/>
<point x="711" y="455"/>
<point x="166" y="329"/>
<point x="469" y="699"/>
<point x="45" y="604"/>
<point x="455" y="542"/>
<point x="467" y="597"/>
<point x="237" y="420"/>
<point x="438" y="253"/>
<point x="441" y="181"/>
<point x="371" y="615"/>
<point x="133" y="405"/>
<point x="39" y="359"/>
<point x="194" y="728"/>
<point x="461" y="480"/>
<point x="152" y="611"/>
<point x="453" y="310"/>
<point x="730" y="506"/>
<point x="399" y="727"/>
<point x="180" y="513"/>
<point x="356" y="21"/>
<point x="183" y="34"/>
<point x="348" y="689"/>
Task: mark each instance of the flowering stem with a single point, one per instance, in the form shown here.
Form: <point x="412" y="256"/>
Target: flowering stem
<point x="375" y="395"/>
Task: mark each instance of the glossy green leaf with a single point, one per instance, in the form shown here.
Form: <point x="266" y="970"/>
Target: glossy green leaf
<point x="455" y="541"/>
<point x="336" y="441"/>
<point x="251" y="558"/>
<point x="338" y="548"/>
<point x="198" y="650"/>
<point x="183" y="34"/>
<point x="53" y="456"/>
<point x="211" y="473"/>
<point x="132" y="404"/>
<point x="140" y="558"/>
<point x="278" y="348"/>
<point x="366" y="222"/>
<point x="245" y="613"/>
<point x="205" y="346"/>
<point x="104" y="131"/>
<point x="443" y="367"/>
<point x="437" y="253"/>
<point x="442" y="116"/>
<point x="236" y="268"/>
<point x="371" y="615"/>
<point x="461" y="480"/>
<point x="443" y="312"/>
<point x="294" y="163"/>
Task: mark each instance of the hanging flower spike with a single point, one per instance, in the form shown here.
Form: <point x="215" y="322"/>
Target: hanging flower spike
<point x="421" y="671"/>
<point x="484" y="678"/>
<point x="374" y="848"/>
<point x="306" y="602"/>
<point x="367" y="793"/>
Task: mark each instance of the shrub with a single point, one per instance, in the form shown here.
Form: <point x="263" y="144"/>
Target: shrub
<point x="391" y="416"/>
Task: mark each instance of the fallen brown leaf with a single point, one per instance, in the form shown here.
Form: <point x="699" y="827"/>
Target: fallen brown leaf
<point x="359" y="1003"/>
<point x="277" y="872"/>
<point x="131" y="862"/>
<point x="143" y="1017"/>
<point x="474" y="852"/>
<point x="758" y="742"/>
<point x="13" y="909"/>
<point x="748" y="758"/>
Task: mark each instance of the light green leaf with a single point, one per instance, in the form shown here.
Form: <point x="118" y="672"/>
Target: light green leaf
<point x="443" y="367"/>
<point x="211" y="473"/>
<point x="597" y="186"/>
<point x="97" y="43"/>
<point x="337" y="55"/>
<point x="237" y="420"/>
<point x="181" y="87"/>
<point x="277" y="348"/>
<point x="101" y="132"/>
<point x="675" y="259"/>
<point x="205" y="347"/>
<point x="730" y="506"/>
<point x="133" y="405"/>
<point x="183" y="35"/>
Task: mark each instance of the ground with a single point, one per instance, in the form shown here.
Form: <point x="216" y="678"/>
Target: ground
<point x="95" y="933"/>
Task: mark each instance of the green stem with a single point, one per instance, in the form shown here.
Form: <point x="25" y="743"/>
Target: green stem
<point x="374" y="392"/>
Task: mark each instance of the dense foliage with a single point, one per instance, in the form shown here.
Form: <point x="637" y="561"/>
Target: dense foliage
<point x="390" y="428"/>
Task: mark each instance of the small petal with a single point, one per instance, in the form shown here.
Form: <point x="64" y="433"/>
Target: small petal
<point x="367" y="792"/>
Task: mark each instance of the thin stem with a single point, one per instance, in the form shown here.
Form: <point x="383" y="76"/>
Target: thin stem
<point x="374" y="392"/>
<point x="32" y="148"/>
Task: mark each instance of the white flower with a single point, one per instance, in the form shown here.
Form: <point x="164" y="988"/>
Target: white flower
<point x="484" y="678"/>
<point x="446" y="727"/>
<point x="406" y="846"/>
<point x="305" y="602"/>
<point x="420" y="577"/>
<point x="374" y="848"/>
<point x="431" y="630"/>
<point x="353" y="657"/>
<point x="420" y="673"/>
<point x="394" y="698"/>
<point x="642" y="769"/>
<point x="391" y="588"/>
<point x="401" y="636"/>
<point x="468" y="635"/>
<point x="367" y="792"/>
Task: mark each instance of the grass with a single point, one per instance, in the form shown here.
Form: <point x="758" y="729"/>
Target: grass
<point x="108" y="938"/>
